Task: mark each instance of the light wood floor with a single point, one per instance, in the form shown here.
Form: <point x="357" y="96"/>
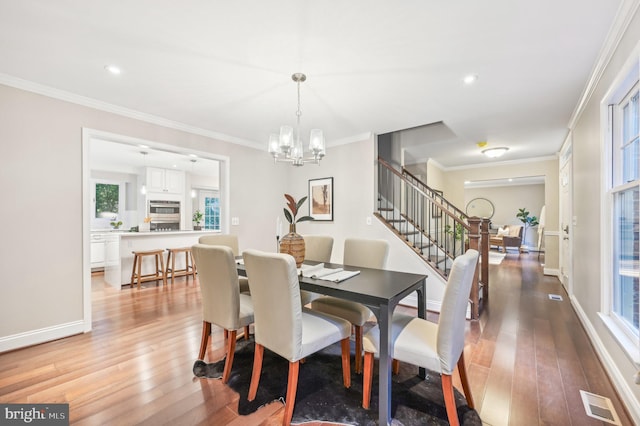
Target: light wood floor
<point x="528" y="357"/>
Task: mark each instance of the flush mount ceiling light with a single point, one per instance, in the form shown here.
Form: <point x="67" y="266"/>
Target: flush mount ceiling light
<point x="287" y="147"/>
<point x="495" y="152"/>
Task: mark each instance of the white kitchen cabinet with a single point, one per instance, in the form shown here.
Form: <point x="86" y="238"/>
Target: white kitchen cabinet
<point x="165" y="180"/>
<point x="97" y="250"/>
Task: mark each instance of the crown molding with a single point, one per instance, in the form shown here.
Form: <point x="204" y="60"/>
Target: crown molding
<point x="624" y="16"/>
<point x="63" y="95"/>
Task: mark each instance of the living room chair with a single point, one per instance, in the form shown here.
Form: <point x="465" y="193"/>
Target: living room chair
<point x="222" y="302"/>
<point x="508" y="236"/>
<point x="437" y="347"/>
<point x="228" y="240"/>
<point x="363" y="253"/>
<point x="283" y="326"/>
<point x="317" y="248"/>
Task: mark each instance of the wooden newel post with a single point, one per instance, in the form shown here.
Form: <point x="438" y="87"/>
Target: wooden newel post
<point x="474" y="243"/>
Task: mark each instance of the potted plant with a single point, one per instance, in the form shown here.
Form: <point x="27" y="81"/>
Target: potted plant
<point x="197" y="218"/>
<point x="528" y="221"/>
<point x="293" y="243"/>
<point x="116" y="225"/>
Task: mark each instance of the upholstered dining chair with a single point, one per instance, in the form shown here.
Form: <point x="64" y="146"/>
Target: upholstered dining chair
<point x="317" y="248"/>
<point x="283" y="326"/>
<point x="229" y="240"/>
<point x="437" y="347"/>
<point x="365" y="253"/>
<point x="222" y="302"/>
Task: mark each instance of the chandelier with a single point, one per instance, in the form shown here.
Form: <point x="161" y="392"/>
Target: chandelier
<point x="287" y="148"/>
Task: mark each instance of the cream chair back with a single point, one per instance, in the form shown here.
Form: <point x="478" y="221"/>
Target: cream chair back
<point x="318" y="247"/>
<point x="275" y="291"/>
<point x="365" y="253"/>
<point x="451" y="324"/>
<point x="218" y="278"/>
<point x="228" y="240"/>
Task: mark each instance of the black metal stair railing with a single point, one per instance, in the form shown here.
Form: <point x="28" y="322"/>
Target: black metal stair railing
<point x="432" y="226"/>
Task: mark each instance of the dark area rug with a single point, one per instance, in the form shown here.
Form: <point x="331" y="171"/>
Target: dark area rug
<point x="322" y="397"/>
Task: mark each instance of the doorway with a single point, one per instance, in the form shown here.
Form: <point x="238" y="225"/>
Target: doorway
<point x="566" y="214"/>
<point x="90" y="141"/>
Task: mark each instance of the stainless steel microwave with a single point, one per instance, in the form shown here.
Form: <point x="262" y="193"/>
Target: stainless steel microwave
<point x="165" y="215"/>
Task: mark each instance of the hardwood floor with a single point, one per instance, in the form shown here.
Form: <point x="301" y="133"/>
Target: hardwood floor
<point x="527" y="356"/>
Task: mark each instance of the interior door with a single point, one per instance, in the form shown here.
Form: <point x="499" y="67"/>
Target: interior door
<point x="566" y="223"/>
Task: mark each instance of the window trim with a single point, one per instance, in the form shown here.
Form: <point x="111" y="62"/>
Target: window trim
<point x="625" y="81"/>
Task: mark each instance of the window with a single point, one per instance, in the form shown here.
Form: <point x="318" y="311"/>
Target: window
<point x="212" y="213"/>
<point x="209" y="204"/>
<point x="107" y="200"/>
<point x="623" y="202"/>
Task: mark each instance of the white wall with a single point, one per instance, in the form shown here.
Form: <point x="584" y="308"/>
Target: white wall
<point x="41" y="291"/>
<point x="43" y="149"/>
<point x="588" y="155"/>
<point x="507" y="200"/>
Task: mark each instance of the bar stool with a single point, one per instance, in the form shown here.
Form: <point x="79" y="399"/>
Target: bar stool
<point x="189" y="265"/>
<point x="136" y="272"/>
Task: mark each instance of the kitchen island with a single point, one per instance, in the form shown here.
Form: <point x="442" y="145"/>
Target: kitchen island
<point x="121" y="245"/>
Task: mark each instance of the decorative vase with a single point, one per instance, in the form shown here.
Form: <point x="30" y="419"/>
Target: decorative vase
<point x="293" y="244"/>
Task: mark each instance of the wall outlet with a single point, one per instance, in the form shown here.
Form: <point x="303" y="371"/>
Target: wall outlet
<point x="368" y="220"/>
<point x="235" y="221"/>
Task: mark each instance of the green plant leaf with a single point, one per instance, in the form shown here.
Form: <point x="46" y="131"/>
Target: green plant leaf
<point x="305" y="219"/>
<point x="302" y="200"/>
<point x="287" y="215"/>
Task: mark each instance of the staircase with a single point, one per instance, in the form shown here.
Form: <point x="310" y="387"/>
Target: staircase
<point x="431" y="226"/>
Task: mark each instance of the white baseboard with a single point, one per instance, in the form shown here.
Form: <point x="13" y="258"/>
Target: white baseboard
<point x="42" y="335"/>
<point x="621" y="385"/>
<point x="554" y="272"/>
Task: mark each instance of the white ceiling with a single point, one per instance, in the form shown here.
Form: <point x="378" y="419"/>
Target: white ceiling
<point x="372" y="65"/>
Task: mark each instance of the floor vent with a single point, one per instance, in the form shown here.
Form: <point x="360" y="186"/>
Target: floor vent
<point x="555" y="297"/>
<point x="599" y="407"/>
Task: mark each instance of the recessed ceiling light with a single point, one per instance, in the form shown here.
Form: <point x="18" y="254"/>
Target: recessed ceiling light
<point x="113" y="69"/>
<point x="470" y="79"/>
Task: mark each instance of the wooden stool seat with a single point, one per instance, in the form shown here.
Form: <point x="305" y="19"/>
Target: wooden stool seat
<point x="136" y="272"/>
<point x="189" y="265"/>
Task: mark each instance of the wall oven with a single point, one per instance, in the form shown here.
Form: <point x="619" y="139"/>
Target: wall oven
<point x="165" y="215"/>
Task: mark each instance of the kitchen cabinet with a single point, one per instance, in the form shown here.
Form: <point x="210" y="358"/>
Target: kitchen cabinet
<point x="97" y="250"/>
<point x="165" y="180"/>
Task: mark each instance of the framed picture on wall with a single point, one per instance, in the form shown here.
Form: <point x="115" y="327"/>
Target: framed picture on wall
<point x="321" y="199"/>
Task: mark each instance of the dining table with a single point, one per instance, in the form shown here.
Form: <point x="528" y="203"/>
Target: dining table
<point x="380" y="290"/>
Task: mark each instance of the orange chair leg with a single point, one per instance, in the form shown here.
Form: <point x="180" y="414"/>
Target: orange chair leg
<point x="206" y="332"/>
<point x="346" y="362"/>
<point x="396" y="366"/>
<point x="257" y="369"/>
<point x="228" y="362"/>
<point x="462" y="370"/>
<point x="367" y="379"/>
<point x="246" y="332"/>
<point x="358" y="333"/>
<point x="449" y="400"/>
<point x="292" y="388"/>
